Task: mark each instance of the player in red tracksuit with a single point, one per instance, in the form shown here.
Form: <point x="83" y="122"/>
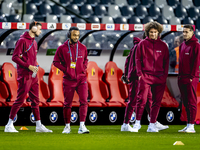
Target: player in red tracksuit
<point x="71" y="58"/>
<point x="130" y="76"/>
<point x="188" y="78"/>
<point x="152" y="63"/>
<point x="25" y="57"/>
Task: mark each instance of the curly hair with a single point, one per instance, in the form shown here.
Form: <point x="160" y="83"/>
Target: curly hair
<point x="154" y="25"/>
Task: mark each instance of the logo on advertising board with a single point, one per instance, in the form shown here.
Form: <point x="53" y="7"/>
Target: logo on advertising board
<point x="66" y="26"/>
<point x="6" y="25"/>
<point x="51" y="26"/>
<point x="81" y="26"/>
<point x="95" y="26"/>
<point x="179" y="27"/>
<point x="124" y="27"/>
<point x="166" y="27"/>
<point x="21" y="25"/>
<point x="138" y="27"/>
<point x="110" y="27"/>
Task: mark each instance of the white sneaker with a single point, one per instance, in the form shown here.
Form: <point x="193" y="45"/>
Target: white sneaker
<point x="42" y="128"/>
<point x="126" y="128"/>
<point x="136" y="127"/>
<point x="66" y="130"/>
<point x="83" y="129"/>
<point x="152" y="128"/>
<point x="159" y="126"/>
<point x="190" y="129"/>
<point x="10" y="128"/>
<point x="183" y="130"/>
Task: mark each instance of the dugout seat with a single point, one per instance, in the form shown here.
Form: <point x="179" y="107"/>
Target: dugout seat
<point x="98" y="90"/>
<point x="3" y="94"/>
<point x="197" y="119"/>
<point x="117" y="90"/>
<point x="9" y="76"/>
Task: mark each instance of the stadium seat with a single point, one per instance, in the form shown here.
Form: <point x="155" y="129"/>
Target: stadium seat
<point x="162" y="20"/>
<point x="141" y="11"/>
<point x="4" y="94"/>
<point x="196" y="3"/>
<point x="39" y="18"/>
<point x="174" y="21"/>
<point x="66" y="2"/>
<point x="58" y="10"/>
<point x="107" y="19"/>
<point x="187" y="20"/>
<point x="168" y="12"/>
<point x="146" y="20"/>
<point x="13" y="18"/>
<point x="3" y="18"/>
<point x="180" y="12"/>
<point x="86" y="10"/>
<point x="121" y="20"/>
<point x="9" y="76"/>
<point x="120" y="3"/>
<point x="28" y="18"/>
<point x="127" y="11"/>
<point x="45" y="9"/>
<point x="51" y="18"/>
<point x="160" y="3"/>
<point x="114" y="85"/>
<point x="94" y="19"/>
<point x="107" y="2"/>
<point x="79" y="2"/>
<point x="114" y="11"/>
<point x="154" y="11"/>
<point x="134" y="20"/>
<point x="65" y="19"/>
<point x="100" y="10"/>
<point x="44" y="93"/>
<point x="198" y="23"/>
<point x="133" y="3"/>
<point x="31" y="8"/>
<point x="197" y="119"/>
<point x="93" y="3"/>
<point x="146" y="3"/>
<point x="187" y="3"/>
<point x="98" y="90"/>
<point x="74" y="8"/>
<point x="6" y="8"/>
<point x="56" y="87"/>
<point x="173" y="3"/>
<point x="37" y="2"/>
<point x="193" y="13"/>
<point x="78" y="20"/>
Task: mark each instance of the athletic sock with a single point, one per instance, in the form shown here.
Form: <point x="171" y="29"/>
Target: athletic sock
<point x="137" y="122"/>
<point x="82" y="124"/>
<point x="68" y="125"/>
<point x="10" y="122"/>
<point x="38" y="123"/>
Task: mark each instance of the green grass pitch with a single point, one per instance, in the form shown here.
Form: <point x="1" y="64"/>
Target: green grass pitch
<point x="105" y="137"/>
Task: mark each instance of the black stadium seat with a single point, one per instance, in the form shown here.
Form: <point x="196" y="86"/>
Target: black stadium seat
<point x="66" y="2"/>
<point x="37" y="2"/>
<point x="134" y="20"/>
<point x="187" y="20"/>
<point x="3" y="18"/>
<point x="13" y="18"/>
<point x="45" y="9"/>
<point x="141" y="11"/>
<point x="196" y="3"/>
<point x="133" y="3"/>
<point x="58" y="10"/>
<point x="146" y="3"/>
<point x="162" y="20"/>
<point x="146" y="20"/>
<point x="86" y="10"/>
<point x="119" y="20"/>
<point x="31" y="8"/>
<point x="198" y="23"/>
<point x="94" y="19"/>
<point x="93" y="2"/>
<point x="193" y="13"/>
<point x="106" y="2"/>
<point x="100" y="10"/>
<point x="173" y="3"/>
<point x="154" y="11"/>
<point x="180" y="12"/>
<point x="78" y="20"/>
<point x="74" y="8"/>
<point x="79" y="2"/>
<point x="127" y="11"/>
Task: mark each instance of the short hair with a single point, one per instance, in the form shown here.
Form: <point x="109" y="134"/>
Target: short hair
<point x="34" y="23"/>
<point x="153" y="25"/>
<point x="189" y="26"/>
<point x="73" y="28"/>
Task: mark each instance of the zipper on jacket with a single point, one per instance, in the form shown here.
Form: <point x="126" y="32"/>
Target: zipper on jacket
<point x="154" y="58"/>
<point x="75" y="58"/>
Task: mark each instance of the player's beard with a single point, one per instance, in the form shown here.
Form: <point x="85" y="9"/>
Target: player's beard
<point x="36" y="34"/>
<point x="73" y="42"/>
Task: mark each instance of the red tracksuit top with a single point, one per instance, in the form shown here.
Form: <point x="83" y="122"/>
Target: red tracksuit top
<point x="23" y="58"/>
<point x="189" y="58"/>
<point x="62" y="60"/>
<point x="152" y="58"/>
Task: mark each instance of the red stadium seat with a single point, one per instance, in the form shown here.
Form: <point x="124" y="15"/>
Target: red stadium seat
<point x="56" y="87"/>
<point x="168" y="100"/>
<point x="118" y="91"/>
<point x="44" y="92"/>
<point x="3" y="94"/>
<point x="95" y="84"/>
<point x="9" y="74"/>
<point x="197" y="119"/>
